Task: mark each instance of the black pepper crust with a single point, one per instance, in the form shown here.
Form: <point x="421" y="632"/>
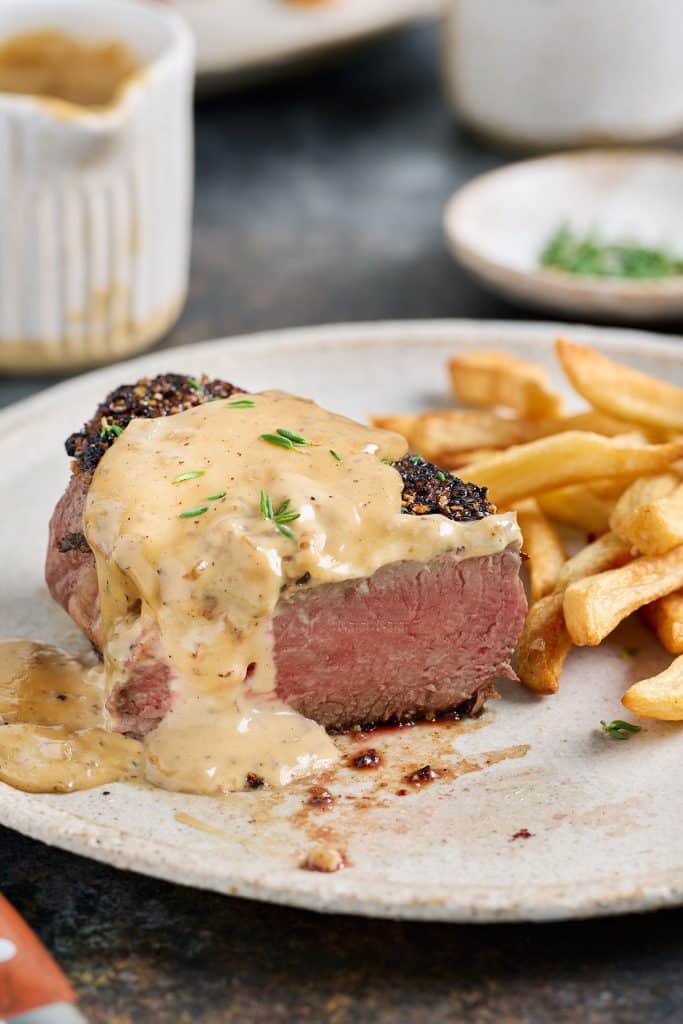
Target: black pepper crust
<point x="148" y="398"/>
<point x="426" y="488"/>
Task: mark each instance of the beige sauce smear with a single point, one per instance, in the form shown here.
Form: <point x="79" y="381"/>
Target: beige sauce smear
<point x="58" y="67"/>
<point x="53" y="735"/>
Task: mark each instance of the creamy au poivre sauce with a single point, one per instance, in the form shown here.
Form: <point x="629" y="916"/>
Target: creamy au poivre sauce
<point x="57" y="67"/>
<point x="178" y="516"/>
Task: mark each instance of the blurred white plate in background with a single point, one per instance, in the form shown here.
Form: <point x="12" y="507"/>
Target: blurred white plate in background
<point x="251" y="35"/>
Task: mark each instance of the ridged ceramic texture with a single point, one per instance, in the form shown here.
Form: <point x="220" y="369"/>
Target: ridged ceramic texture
<point x="95" y="207"/>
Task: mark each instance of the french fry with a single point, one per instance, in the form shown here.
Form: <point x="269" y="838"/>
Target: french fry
<point x="657" y="527"/>
<point x="455" y="460"/>
<point x="543" y="645"/>
<point x="660" y="696"/>
<point x="620" y="391"/>
<point x="545" y="642"/>
<point x="665" y="618"/>
<point x="455" y="430"/>
<point x="595" y="606"/>
<point x="492" y="378"/>
<point x="586" y="506"/>
<point x="563" y="459"/>
<point x="591" y="420"/>
<point x="400" y="424"/>
<point x="641" y="492"/>
<point x="607" y="552"/>
<point x="543" y="546"/>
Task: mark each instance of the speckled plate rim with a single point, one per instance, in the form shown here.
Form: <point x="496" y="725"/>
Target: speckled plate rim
<point x="60" y="827"/>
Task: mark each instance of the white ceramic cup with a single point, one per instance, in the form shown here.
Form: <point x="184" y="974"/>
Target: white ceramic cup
<point x="95" y="205"/>
<point x="547" y="73"/>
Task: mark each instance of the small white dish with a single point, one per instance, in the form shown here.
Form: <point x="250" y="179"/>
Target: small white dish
<point x="235" y="38"/>
<point x="95" y="202"/>
<point x="498" y="224"/>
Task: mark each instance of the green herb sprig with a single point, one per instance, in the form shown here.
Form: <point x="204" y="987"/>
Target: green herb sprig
<point x="241" y="403"/>
<point x="618" y="730"/>
<point x="192" y="513"/>
<point x="287" y="439"/>
<point x="110" y="430"/>
<point x="190" y="474"/>
<point x="279" y="516"/>
<point x="335" y="455"/>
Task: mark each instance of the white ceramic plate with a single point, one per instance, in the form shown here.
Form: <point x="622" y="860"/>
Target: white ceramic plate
<point x="498" y="224"/>
<point x="238" y="36"/>
<point x="605" y="817"/>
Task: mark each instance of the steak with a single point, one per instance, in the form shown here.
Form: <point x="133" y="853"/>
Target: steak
<point x="413" y="640"/>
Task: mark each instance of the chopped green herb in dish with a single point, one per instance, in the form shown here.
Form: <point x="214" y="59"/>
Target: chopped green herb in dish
<point x="618" y="730"/>
<point x="242" y="403"/>
<point x="335" y="455"/>
<point x="589" y="256"/>
<point x="279" y="516"/>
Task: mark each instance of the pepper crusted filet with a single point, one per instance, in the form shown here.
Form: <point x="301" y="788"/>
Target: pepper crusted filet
<point x="426" y="489"/>
<point x="163" y="395"/>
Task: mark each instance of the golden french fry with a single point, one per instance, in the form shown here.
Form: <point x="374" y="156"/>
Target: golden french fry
<point x="492" y="378"/>
<point x="641" y="492"/>
<point x="665" y="618"/>
<point x="563" y="459"/>
<point x="543" y="645"/>
<point x="542" y="545"/>
<point x="657" y="527"/>
<point x="400" y="424"/>
<point x="455" y="460"/>
<point x="607" y="552"/>
<point x="586" y="506"/>
<point x="620" y="391"/>
<point x="545" y="642"/>
<point x="456" y="430"/>
<point x="660" y="696"/>
<point x="594" y="606"/>
<point x="591" y="420"/>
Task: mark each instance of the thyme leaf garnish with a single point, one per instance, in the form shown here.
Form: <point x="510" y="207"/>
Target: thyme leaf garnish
<point x="109" y="430"/>
<point x="441" y="476"/>
<point x="216" y="497"/>
<point x="193" y="383"/>
<point x="190" y="513"/>
<point x="618" y="730"/>
<point x="335" y="455"/>
<point x="241" y="403"/>
<point x="279" y="516"/>
<point x="287" y="439"/>
<point x="190" y="474"/>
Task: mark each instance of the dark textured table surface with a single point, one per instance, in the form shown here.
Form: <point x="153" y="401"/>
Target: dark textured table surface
<point x="319" y="199"/>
